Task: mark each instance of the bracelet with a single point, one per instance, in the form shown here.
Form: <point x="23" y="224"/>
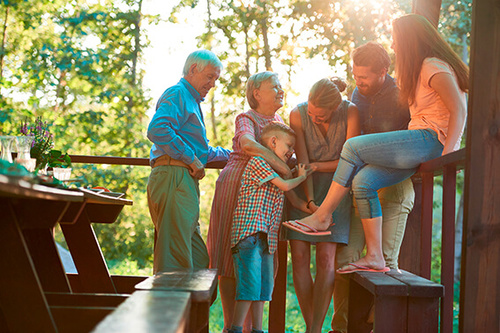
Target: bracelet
<point x="308" y="203"/>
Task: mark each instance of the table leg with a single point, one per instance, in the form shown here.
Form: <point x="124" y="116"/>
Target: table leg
<point x="48" y="264"/>
<point x="20" y="297"/>
<point x="87" y="255"/>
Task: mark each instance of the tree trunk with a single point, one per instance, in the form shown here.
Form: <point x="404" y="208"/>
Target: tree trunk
<point x="212" y="97"/>
<point x="267" y="51"/>
<point x="247" y="51"/>
<point x="61" y="83"/>
<point x="212" y="117"/>
<point x="137" y="44"/>
<point x="4" y="37"/>
<point x="133" y="79"/>
<point x="430" y="9"/>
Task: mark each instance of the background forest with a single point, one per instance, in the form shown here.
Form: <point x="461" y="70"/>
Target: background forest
<point x="80" y="65"/>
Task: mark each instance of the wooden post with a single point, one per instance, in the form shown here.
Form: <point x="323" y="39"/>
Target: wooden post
<point x="448" y="246"/>
<point x="409" y="255"/>
<point x="428" y="8"/>
<point x="426" y="224"/>
<point x="277" y="307"/>
<point x="480" y="295"/>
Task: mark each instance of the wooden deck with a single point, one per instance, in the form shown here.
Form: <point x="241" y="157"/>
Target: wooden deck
<point x="416" y="251"/>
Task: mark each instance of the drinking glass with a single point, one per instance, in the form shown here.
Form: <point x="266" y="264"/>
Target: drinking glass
<point x="6" y="142"/>
<point x="23" y="152"/>
<point x="24" y="146"/>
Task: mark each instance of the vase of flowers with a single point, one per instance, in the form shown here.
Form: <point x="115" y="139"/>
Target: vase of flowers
<point x="43" y="141"/>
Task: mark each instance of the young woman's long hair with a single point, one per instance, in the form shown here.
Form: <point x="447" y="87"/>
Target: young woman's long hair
<point x="414" y="40"/>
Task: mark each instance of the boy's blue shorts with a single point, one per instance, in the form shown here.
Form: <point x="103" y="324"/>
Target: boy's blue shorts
<point x="253" y="268"/>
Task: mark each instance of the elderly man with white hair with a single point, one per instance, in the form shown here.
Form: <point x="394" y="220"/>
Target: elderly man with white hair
<point x="178" y="157"/>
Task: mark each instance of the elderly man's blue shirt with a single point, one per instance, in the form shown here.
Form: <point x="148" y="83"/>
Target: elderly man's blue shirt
<point x="178" y="130"/>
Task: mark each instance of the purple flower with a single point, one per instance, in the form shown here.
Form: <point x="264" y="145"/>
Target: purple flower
<point x="43" y="139"/>
<point x="24" y="128"/>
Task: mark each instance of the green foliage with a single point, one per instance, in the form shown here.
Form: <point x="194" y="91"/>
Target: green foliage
<point x="76" y="64"/>
<point x="455" y="25"/>
<point x="58" y="160"/>
<point x="127" y="267"/>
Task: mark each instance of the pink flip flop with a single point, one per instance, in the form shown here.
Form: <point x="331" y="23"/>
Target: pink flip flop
<point x="305" y="229"/>
<point x="361" y="268"/>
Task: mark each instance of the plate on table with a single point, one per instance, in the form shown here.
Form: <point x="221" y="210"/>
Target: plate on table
<point x="95" y="190"/>
<point x="112" y="194"/>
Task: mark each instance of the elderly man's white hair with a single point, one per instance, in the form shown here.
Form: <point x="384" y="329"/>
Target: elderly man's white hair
<point x="201" y="58"/>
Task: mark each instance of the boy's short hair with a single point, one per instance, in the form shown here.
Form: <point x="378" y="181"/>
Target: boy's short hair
<point x="273" y="127"/>
<point x="371" y="55"/>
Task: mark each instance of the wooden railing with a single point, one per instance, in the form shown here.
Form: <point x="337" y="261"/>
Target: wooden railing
<point x="446" y="165"/>
<point x="113" y="160"/>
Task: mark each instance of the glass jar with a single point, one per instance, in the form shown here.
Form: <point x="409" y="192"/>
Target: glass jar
<point x="6" y="142"/>
<point x="24" y="144"/>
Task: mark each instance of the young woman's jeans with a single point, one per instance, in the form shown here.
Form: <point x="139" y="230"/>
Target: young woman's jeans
<point x="373" y="161"/>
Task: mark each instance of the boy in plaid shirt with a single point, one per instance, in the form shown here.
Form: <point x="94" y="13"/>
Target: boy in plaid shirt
<point x="254" y="234"/>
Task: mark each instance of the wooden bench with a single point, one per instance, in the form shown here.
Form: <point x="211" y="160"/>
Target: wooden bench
<point x="124" y="284"/>
<point x="149" y="311"/>
<point x="396" y="301"/>
<point x="75" y="313"/>
<point x="201" y="284"/>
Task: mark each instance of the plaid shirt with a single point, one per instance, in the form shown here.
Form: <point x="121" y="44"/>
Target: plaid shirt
<point x="260" y="204"/>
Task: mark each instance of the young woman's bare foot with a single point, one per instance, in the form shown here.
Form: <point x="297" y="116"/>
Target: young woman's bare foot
<point x="317" y="222"/>
<point x="367" y="263"/>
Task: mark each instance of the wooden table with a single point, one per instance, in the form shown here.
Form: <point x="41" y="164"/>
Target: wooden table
<point x="93" y="274"/>
<point x="29" y="261"/>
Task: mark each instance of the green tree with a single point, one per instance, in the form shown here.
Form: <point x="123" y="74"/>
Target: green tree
<point x="340" y="26"/>
<point x="455" y="25"/>
<point x="76" y="64"/>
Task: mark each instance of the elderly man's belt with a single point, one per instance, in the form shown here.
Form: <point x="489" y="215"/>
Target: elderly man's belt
<point x="167" y="160"/>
